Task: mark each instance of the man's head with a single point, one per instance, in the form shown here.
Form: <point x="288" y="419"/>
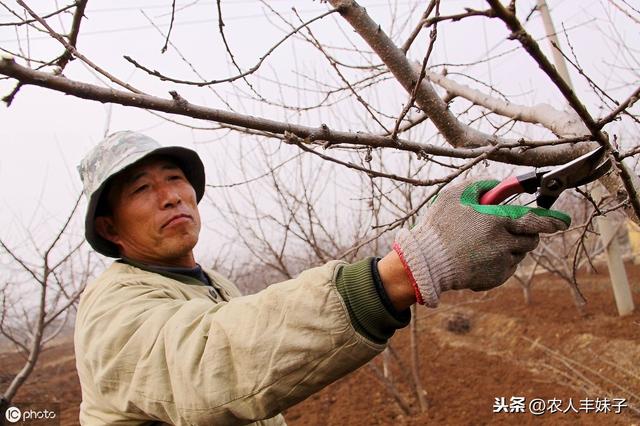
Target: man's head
<point x="142" y="199"/>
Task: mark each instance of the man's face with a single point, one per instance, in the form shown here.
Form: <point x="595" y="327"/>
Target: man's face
<point x="155" y="217"/>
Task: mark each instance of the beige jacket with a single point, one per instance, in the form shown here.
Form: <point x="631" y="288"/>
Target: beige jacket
<point x="149" y="347"/>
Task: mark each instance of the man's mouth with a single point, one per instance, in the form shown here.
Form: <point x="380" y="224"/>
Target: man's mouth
<point x="179" y="218"/>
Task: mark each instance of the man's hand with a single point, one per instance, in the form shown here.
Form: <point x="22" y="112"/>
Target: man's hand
<point x="460" y="243"/>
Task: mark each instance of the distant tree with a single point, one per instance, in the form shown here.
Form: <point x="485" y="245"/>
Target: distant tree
<point x="56" y="273"/>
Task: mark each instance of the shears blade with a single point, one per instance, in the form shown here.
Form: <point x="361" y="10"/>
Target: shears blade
<point x="549" y="184"/>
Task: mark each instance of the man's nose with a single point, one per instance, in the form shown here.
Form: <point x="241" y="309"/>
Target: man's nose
<point x="169" y="196"/>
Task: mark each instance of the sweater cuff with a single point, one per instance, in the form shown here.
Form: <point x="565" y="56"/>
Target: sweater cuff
<point x="367" y="311"/>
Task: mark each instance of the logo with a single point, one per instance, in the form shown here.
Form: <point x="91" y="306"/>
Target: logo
<point x="13" y="414"/>
<point x="33" y="413"/>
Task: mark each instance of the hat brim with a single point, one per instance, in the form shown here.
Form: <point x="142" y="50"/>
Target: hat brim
<point x="187" y="159"/>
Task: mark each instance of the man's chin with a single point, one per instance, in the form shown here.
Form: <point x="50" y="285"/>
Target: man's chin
<point x="180" y="247"/>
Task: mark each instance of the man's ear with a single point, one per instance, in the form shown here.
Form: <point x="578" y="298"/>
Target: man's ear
<point x="106" y="229"/>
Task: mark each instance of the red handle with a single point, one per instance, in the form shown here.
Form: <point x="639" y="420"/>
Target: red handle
<point x="504" y="190"/>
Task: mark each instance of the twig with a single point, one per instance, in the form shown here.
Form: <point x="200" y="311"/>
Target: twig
<point x="414" y="93"/>
<point x="368" y="107"/>
<point x="70" y="48"/>
<point x="414" y="34"/>
<point x="73" y="35"/>
<point x="457" y="17"/>
<point x="397" y="396"/>
<point x="8" y="99"/>
<point x="235" y="77"/>
<point x="627" y="103"/>
<point x="31" y="21"/>
<point x="173" y="17"/>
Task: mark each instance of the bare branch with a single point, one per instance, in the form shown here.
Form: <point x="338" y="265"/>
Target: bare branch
<point x="73" y="51"/>
<point x="457" y="134"/>
<point x="414" y="34"/>
<point x="173" y="16"/>
<point x="532" y="47"/>
<point x="627" y="103"/>
<point x="457" y="17"/>
<point x="233" y="78"/>
<point x="73" y="35"/>
<point x="421" y="76"/>
<point x="31" y="21"/>
<point x="534" y="153"/>
<point x="64" y="226"/>
<point x="300" y="143"/>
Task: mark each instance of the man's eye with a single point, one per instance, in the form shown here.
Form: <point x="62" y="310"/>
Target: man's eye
<point x="140" y="189"/>
<point x="175" y="177"/>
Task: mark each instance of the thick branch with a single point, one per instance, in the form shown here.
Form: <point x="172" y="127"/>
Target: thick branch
<point x="514" y="152"/>
<point x="456" y="133"/>
<point x="559" y="122"/>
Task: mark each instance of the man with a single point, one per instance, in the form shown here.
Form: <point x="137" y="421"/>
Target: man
<point x="159" y="339"/>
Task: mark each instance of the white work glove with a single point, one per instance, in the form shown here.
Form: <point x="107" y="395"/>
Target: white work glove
<point x="459" y="243"/>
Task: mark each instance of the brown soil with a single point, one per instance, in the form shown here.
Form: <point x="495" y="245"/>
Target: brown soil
<point x="474" y="348"/>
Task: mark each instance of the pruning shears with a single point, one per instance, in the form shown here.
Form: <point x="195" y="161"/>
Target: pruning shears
<point x="549" y="184"/>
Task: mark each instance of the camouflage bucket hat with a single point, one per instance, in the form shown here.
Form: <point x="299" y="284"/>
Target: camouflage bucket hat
<point x="113" y="155"/>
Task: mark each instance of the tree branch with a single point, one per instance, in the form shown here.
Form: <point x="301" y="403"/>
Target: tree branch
<point x="421" y="75"/>
<point x="414" y="34"/>
<point x="73" y="35"/>
<point x="31" y="21"/>
<point x="531" y="46"/>
<point x="70" y="48"/>
<point x="456" y="133"/>
<point x="519" y="152"/>
<point x="173" y="17"/>
<point x="559" y="122"/>
<point x="628" y="103"/>
<point x="242" y="75"/>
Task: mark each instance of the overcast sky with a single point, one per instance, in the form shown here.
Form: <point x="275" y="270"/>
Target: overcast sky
<point x="44" y="134"/>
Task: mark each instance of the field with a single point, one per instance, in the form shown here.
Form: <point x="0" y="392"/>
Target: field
<point x="473" y="349"/>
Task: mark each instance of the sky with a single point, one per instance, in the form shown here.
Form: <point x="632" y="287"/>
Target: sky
<point x="44" y="134"/>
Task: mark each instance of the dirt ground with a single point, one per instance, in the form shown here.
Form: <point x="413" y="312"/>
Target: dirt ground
<point x="473" y="349"/>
